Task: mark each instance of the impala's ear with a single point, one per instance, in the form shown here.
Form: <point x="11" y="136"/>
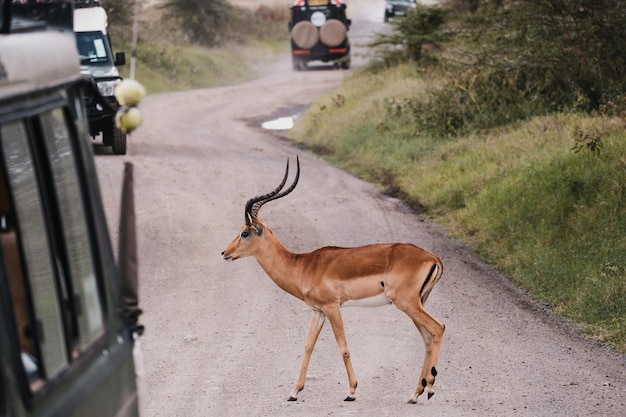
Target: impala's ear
<point x="257" y="227"/>
<point x="254" y="224"/>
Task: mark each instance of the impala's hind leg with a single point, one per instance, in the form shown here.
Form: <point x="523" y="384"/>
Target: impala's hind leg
<point x="432" y="333"/>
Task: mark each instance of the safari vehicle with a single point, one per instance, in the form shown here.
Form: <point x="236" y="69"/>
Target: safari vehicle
<point x="68" y="314"/>
<point x="319" y="32"/>
<point x="394" y="8"/>
<point x="98" y="64"/>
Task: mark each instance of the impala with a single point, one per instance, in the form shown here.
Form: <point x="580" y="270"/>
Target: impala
<point x="332" y="277"/>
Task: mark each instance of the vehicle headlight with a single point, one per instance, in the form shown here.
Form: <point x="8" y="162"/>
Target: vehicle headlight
<point x="107" y="88"/>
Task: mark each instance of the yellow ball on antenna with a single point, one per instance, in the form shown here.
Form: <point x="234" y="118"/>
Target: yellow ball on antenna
<point x="129" y="92"/>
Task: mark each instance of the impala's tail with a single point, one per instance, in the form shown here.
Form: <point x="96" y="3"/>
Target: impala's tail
<point x="433" y="277"/>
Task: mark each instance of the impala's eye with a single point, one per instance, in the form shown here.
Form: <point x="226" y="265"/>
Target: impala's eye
<point x="245" y="234"/>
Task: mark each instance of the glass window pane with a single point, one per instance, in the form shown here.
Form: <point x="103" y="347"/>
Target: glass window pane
<point x="35" y="242"/>
<point x="92" y="48"/>
<point x="74" y="225"/>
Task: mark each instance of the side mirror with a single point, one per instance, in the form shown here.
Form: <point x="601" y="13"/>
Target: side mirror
<point x="120" y="59"/>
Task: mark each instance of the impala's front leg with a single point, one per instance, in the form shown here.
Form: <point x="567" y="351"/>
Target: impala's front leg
<point x="317" y="321"/>
<point x="334" y="316"/>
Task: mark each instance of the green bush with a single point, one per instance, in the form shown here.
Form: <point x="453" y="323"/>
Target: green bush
<point x="475" y="100"/>
<point x="218" y="22"/>
<point x="120" y="17"/>
<point x="421" y="29"/>
<point x="202" y="21"/>
<point x="511" y="60"/>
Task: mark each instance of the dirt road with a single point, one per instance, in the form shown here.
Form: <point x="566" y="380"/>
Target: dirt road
<point x="223" y="340"/>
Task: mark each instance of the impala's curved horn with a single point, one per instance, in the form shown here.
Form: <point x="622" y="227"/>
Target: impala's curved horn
<point x="254" y="204"/>
<point x="258" y="205"/>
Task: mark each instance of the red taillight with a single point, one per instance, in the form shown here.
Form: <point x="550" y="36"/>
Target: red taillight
<point x="301" y="52"/>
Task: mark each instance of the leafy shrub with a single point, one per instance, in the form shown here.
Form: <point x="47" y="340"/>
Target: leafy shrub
<point x="203" y="21"/>
<point x="268" y="23"/>
<point x="120" y="17"/>
<point x="570" y="51"/>
<point x="514" y="59"/>
<point x="218" y="22"/>
<point x="475" y="100"/>
<point x="412" y="36"/>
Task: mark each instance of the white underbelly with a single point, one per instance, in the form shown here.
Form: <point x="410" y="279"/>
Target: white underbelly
<point x="375" y="301"/>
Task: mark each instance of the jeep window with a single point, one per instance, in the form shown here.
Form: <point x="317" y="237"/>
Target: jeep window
<point x="50" y="265"/>
<point x="74" y="226"/>
<point x="47" y="325"/>
<point x="92" y="48"/>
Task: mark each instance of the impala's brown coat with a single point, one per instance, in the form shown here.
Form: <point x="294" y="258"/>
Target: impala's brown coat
<point x="328" y="277"/>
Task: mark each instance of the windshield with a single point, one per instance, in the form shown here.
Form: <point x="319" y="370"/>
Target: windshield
<point x="92" y="48"/>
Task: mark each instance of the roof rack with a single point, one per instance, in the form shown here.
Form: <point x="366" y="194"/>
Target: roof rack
<point x="32" y="15"/>
<point x="77" y="3"/>
<point x="86" y="3"/>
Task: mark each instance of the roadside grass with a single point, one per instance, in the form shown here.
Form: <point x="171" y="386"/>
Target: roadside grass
<point x="167" y="61"/>
<point x="550" y="218"/>
<point x="163" y="68"/>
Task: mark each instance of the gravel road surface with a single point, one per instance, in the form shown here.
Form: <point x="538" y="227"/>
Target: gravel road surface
<point x="223" y="340"/>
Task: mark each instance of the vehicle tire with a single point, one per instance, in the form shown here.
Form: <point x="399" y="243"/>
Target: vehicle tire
<point x="333" y="33"/>
<point x="345" y="63"/>
<point x="305" y="35"/>
<point x="119" y="142"/>
<point x="299" y="64"/>
<point x="107" y="136"/>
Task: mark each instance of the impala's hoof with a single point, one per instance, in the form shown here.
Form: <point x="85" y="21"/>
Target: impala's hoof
<point x="349" y="398"/>
<point x="292" y="398"/>
<point x="430" y="395"/>
<point x="411" y="401"/>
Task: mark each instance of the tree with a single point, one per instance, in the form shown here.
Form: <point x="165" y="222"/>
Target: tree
<point x="421" y="26"/>
<point x="570" y="52"/>
<point x="120" y="15"/>
<point x="202" y="21"/>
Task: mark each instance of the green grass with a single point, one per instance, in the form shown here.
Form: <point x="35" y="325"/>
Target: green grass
<point x="166" y="68"/>
<point x="551" y="219"/>
<point x="170" y="63"/>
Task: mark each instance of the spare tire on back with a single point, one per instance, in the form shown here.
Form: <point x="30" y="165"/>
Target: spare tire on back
<point x="304" y="34"/>
<point x="333" y="33"/>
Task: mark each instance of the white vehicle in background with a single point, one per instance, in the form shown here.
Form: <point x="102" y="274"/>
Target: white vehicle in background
<point x="98" y="63"/>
